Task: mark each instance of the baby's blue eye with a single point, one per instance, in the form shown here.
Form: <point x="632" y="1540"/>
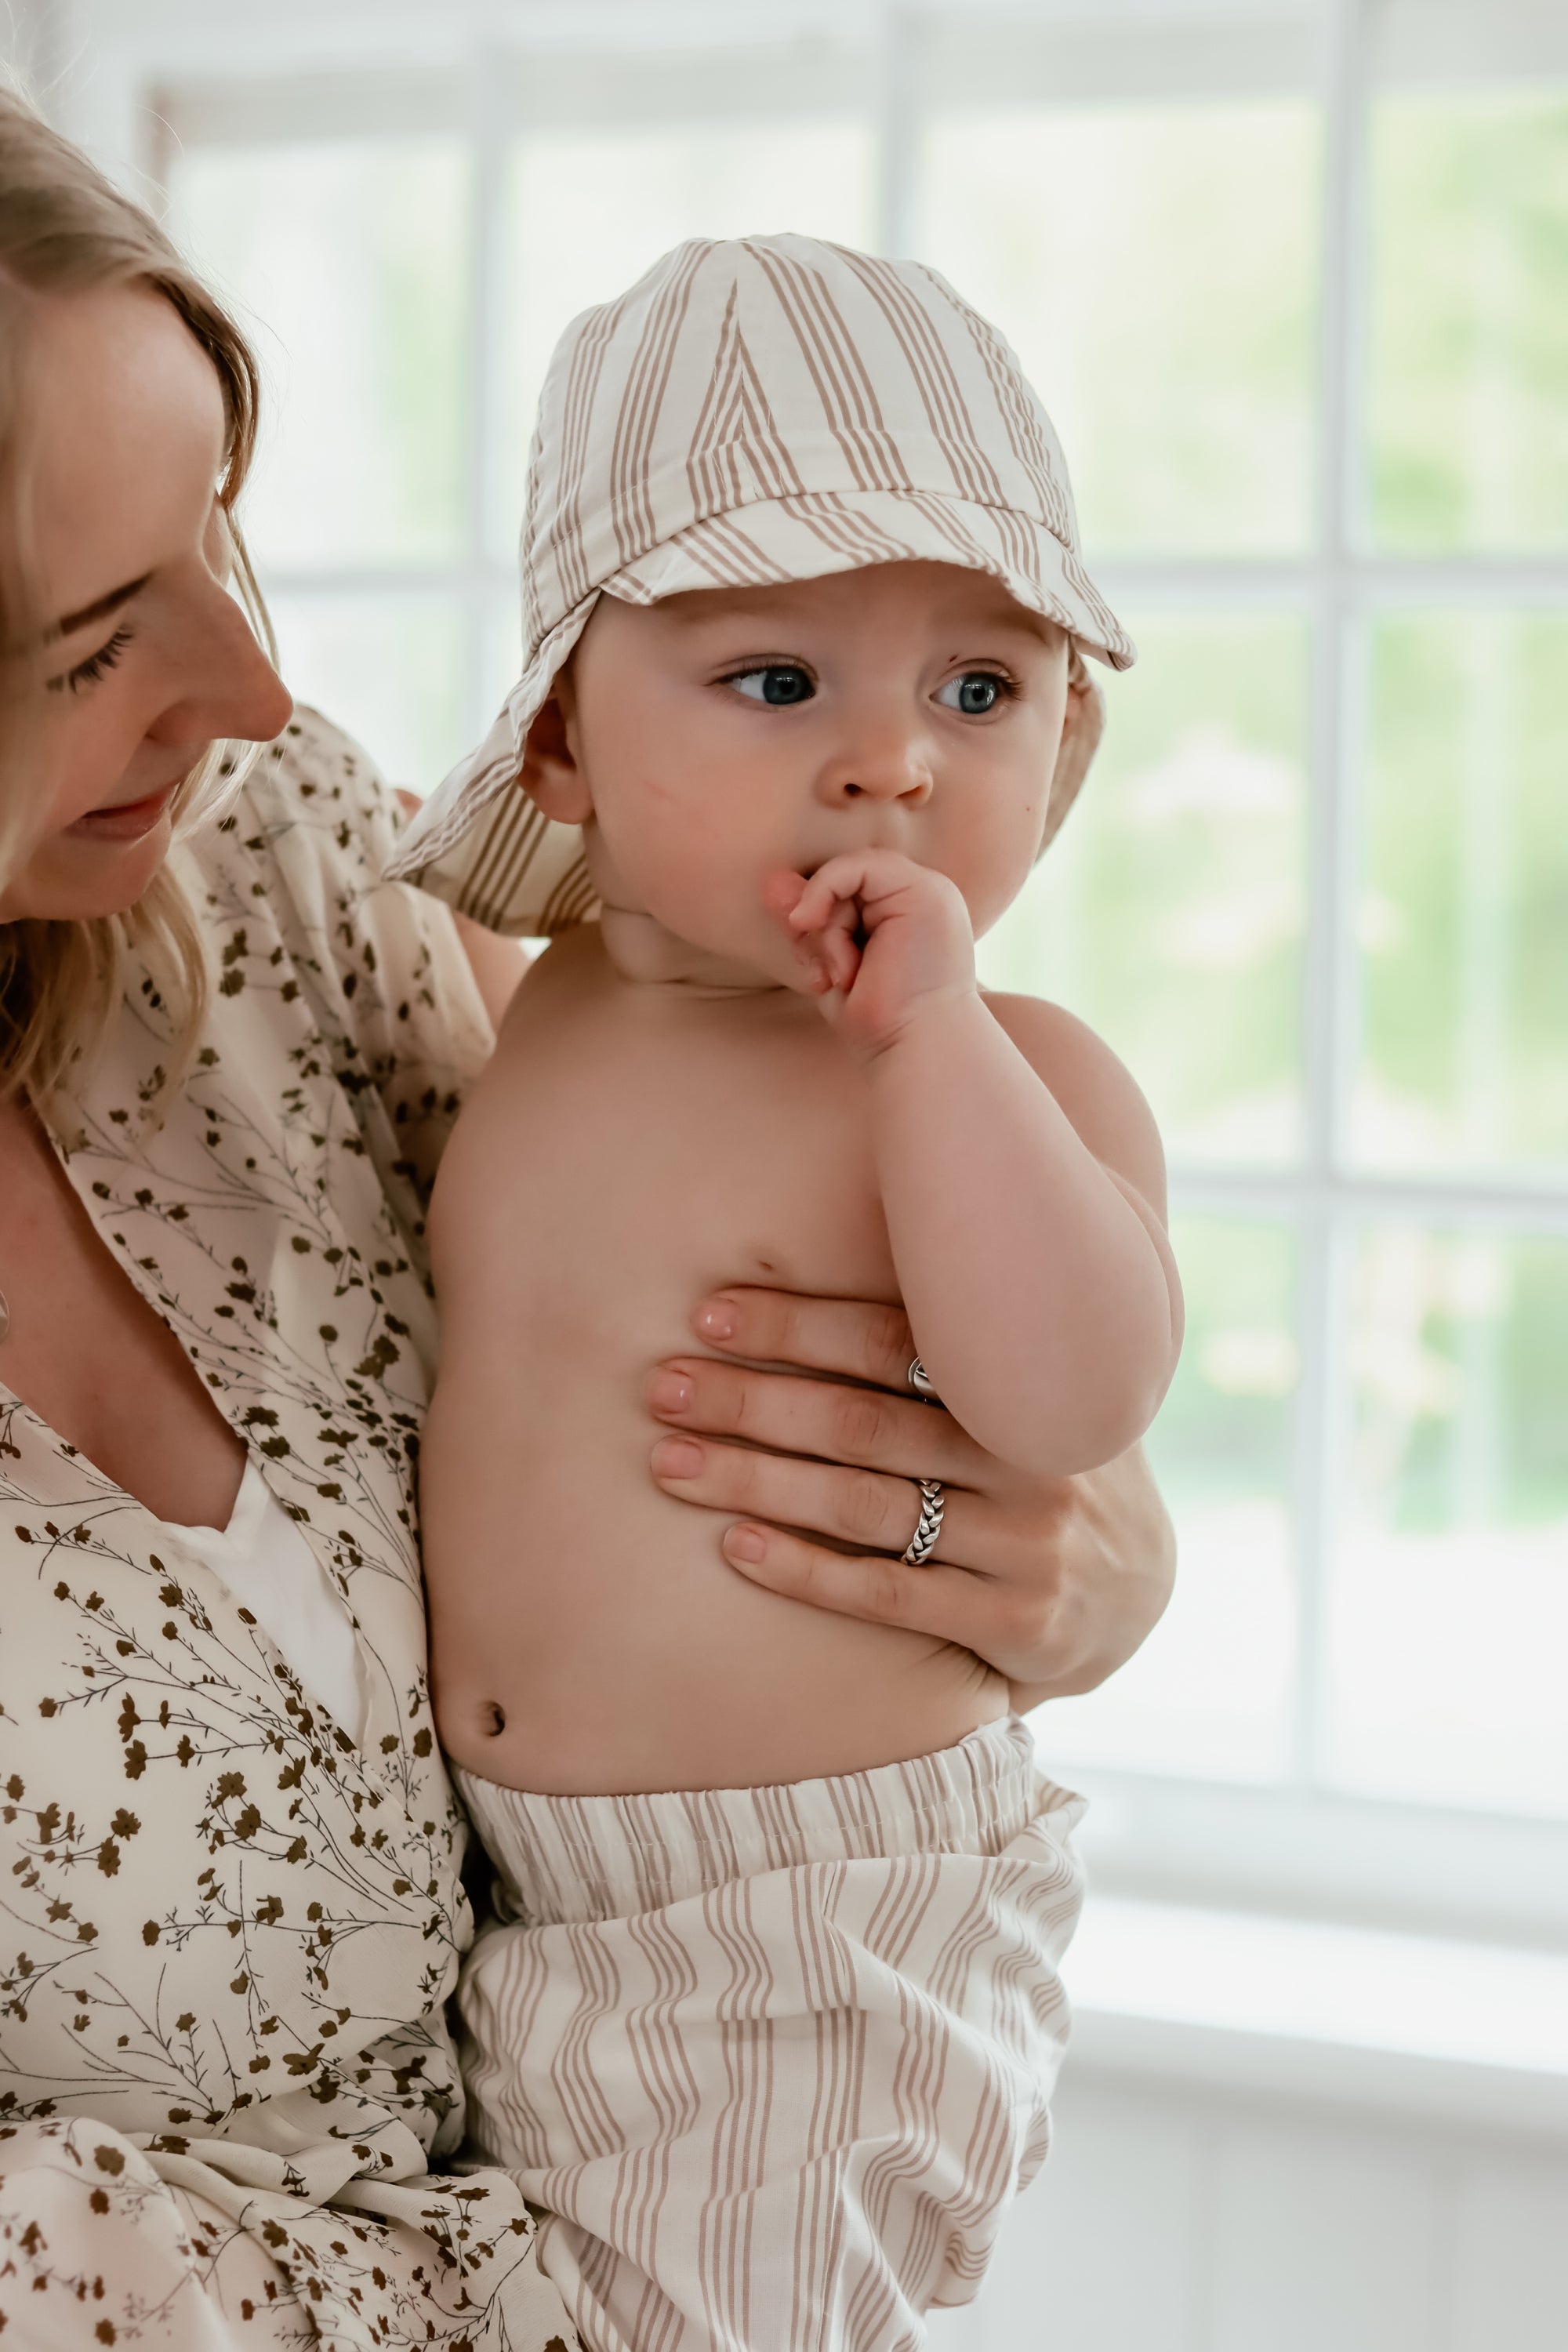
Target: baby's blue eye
<point x="974" y="693"/>
<point x="779" y="683"/>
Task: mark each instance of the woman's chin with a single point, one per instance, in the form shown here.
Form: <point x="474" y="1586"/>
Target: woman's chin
<point x="83" y="875"/>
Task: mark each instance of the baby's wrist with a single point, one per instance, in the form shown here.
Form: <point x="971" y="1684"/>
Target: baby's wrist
<point x="925" y="1023"/>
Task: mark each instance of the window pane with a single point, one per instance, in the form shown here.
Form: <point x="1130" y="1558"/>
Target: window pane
<point x="1448" y="1623"/>
<point x="633" y="194"/>
<point x="349" y="262"/>
<point x="392" y="672"/>
<point x="1469" y="341"/>
<point x="1156" y="269"/>
<point x="1209" y="1692"/>
<point x="1169" y="914"/>
<point x="1464" y="906"/>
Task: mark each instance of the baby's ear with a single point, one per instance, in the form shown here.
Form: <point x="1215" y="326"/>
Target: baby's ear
<point x="550" y="774"/>
<point x="1082" y="728"/>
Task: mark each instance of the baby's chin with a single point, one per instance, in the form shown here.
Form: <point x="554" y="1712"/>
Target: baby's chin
<point x="767" y="954"/>
<point x="646" y="945"/>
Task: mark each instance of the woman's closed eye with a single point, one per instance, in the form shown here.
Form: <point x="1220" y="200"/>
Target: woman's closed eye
<point x="779" y="684"/>
<point x="976" y="692"/>
<point x="88" y="672"/>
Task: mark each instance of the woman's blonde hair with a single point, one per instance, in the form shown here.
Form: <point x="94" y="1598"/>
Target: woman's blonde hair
<point x="64" y="230"/>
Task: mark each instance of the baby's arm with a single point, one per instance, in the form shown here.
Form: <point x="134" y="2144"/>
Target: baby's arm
<point x="1021" y="1173"/>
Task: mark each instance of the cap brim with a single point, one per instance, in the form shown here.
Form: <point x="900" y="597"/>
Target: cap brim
<point x="814" y="534"/>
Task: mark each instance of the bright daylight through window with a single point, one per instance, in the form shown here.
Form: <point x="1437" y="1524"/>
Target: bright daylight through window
<point x="1294" y="293"/>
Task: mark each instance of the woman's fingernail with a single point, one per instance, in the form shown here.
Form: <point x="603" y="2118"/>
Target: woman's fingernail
<point x="677" y="1458"/>
<point x="717" y="1319"/>
<point x="670" y="1392"/>
<point x="746" y="1543"/>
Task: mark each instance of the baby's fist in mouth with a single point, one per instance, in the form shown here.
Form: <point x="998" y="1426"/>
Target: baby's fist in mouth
<point x="878" y="934"/>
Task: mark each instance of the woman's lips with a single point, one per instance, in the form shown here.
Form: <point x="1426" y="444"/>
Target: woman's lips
<point x="129" y="820"/>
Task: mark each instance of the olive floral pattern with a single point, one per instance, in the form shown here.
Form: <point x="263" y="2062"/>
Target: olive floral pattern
<point x="227" y="1929"/>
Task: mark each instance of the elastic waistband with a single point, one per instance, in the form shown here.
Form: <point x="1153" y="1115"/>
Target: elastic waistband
<point x="584" y="1858"/>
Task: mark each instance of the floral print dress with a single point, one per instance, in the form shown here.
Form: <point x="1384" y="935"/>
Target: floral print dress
<point x="228" y="1929"/>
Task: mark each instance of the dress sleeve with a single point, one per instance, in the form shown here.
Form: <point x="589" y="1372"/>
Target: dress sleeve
<point x="393" y="992"/>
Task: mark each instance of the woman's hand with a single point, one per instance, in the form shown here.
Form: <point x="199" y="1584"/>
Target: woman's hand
<point x="1055" y="1583"/>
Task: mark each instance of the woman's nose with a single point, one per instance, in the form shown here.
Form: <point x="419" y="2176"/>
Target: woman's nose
<point x="231" y="687"/>
<point x="888" y="763"/>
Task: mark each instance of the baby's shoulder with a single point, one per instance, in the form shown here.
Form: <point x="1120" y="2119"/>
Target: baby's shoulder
<point x="1092" y="1083"/>
<point x="1048" y="1034"/>
<point x="561" y="985"/>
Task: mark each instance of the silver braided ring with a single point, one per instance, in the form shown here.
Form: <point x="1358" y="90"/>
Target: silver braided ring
<point x="919" y="1379"/>
<point x="928" y="1527"/>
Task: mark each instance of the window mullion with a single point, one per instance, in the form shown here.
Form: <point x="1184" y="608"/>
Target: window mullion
<point x="1330" y="971"/>
<point x="490" y="124"/>
<point x="1329" y="1005"/>
<point x="897" y="40"/>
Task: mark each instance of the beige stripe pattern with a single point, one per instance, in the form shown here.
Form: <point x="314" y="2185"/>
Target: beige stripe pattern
<point x="775" y="2061"/>
<point x="756" y="410"/>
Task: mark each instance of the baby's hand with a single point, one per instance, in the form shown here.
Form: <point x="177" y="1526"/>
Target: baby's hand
<point x="879" y="936"/>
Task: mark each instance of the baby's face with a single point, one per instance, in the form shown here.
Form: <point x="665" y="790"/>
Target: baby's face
<point x="725" y="735"/>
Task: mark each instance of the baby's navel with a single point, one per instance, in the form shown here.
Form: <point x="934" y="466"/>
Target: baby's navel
<point x="496" y="1721"/>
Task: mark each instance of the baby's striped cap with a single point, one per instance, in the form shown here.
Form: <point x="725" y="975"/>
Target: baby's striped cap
<point x="752" y="411"/>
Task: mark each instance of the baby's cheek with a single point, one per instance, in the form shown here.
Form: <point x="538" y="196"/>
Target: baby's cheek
<point x="991" y="873"/>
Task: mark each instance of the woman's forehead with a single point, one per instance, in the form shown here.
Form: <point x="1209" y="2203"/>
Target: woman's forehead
<point x="124" y="440"/>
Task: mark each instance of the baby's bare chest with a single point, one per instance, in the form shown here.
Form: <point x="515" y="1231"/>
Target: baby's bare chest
<point x="663" y="1164"/>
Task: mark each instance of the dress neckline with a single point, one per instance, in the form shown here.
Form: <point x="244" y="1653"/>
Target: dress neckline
<point x="250" y="1507"/>
<point x="250" y="1478"/>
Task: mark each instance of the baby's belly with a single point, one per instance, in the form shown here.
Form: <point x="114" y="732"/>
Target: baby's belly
<point x="589" y="1637"/>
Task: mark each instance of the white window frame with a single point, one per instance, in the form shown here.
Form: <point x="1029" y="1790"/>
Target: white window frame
<point x="117" y="86"/>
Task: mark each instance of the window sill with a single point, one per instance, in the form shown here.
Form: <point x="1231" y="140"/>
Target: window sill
<point x="1466" y="2033"/>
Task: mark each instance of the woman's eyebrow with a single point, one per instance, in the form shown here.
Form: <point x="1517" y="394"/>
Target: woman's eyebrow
<point x="97" y="610"/>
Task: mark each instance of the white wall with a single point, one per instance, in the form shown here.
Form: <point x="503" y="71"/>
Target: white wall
<point x="1171" y="2220"/>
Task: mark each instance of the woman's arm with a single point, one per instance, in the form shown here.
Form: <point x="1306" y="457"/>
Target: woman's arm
<point x="498" y="965"/>
<point x="1054" y="1581"/>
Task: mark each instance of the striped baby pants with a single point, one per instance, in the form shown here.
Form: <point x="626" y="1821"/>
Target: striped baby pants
<point x="774" y="2059"/>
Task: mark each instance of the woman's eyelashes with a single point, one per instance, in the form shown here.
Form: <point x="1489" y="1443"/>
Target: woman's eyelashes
<point x="88" y="672"/>
<point x="778" y="684"/>
<point x="976" y="693"/>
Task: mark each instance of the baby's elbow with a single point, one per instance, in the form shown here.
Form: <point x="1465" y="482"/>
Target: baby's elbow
<point x="1124" y="1418"/>
<point x="1093" y="1438"/>
<point x="1147" y="1358"/>
<point x="1152" y="1369"/>
<point x="1106" y="1416"/>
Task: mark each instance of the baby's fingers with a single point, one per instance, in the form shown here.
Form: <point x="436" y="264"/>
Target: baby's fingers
<point x="838" y="946"/>
<point x="831" y="959"/>
<point x="821" y="925"/>
<point x="826" y="894"/>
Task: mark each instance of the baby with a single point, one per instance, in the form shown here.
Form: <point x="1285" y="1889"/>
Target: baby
<point x="771" y="2013"/>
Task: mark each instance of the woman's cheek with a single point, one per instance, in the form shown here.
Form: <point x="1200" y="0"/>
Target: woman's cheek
<point x="87" y="750"/>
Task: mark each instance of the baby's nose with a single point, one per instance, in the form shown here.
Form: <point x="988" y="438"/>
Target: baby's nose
<point x="889" y="764"/>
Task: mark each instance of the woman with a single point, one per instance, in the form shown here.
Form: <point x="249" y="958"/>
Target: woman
<point x="229" y="1058"/>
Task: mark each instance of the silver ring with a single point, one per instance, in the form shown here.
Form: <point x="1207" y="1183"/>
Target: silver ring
<point x="928" y="1527"/>
<point x="919" y="1379"/>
